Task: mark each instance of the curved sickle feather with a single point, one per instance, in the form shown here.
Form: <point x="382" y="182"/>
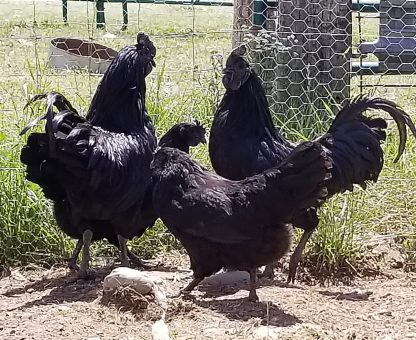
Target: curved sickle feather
<point x="402" y="120"/>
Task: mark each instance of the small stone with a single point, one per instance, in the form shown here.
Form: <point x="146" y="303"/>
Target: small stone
<point x="30" y="290"/>
<point x="385" y="312"/>
<point x="355" y="295"/>
<point x="63" y="308"/>
<point x="411" y="318"/>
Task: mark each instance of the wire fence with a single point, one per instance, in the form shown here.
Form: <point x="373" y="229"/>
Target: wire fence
<point x="311" y="55"/>
<point x="306" y="51"/>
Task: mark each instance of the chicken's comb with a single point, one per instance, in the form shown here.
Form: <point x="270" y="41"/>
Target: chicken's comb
<point x="240" y="50"/>
<point x="143" y="41"/>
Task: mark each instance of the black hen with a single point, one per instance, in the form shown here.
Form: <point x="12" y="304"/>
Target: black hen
<point x="99" y="168"/>
<point x="235" y="224"/>
<point x="244" y="141"/>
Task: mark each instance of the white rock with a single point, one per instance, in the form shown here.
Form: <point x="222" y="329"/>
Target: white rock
<point x="142" y="282"/>
<point x="160" y="330"/>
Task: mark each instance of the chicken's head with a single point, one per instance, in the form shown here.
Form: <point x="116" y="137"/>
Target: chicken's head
<point x="193" y="133"/>
<point x="236" y="72"/>
<point x="147" y="52"/>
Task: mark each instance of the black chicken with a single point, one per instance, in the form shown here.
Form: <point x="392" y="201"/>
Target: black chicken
<point x="97" y="170"/>
<point x="235" y="224"/>
<point x="184" y="135"/>
<point x="244" y="141"/>
<point x="36" y="153"/>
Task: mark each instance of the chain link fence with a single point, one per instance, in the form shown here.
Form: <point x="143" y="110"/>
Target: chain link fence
<point x="312" y="56"/>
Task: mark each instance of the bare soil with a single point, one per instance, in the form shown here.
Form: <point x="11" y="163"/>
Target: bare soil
<point x="47" y="304"/>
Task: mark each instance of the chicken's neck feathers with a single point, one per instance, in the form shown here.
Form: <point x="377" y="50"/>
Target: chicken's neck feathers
<point x="118" y="104"/>
<point x="248" y="110"/>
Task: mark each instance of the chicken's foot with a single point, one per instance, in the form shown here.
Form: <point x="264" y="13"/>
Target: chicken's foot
<point x="297" y="255"/>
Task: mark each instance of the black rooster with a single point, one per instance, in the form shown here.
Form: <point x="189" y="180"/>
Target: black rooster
<point x="235" y="224"/>
<point x="97" y="170"/>
<point x="244" y="141"/>
<point x="35" y="155"/>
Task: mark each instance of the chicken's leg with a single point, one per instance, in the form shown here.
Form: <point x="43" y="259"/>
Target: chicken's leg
<point x="252" y="296"/>
<point x="84" y="272"/>
<point x="297" y="255"/>
<point x="72" y="262"/>
<point x="123" y="251"/>
<point x="268" y="271"/>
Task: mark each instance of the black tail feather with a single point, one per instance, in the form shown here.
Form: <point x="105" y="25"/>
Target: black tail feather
<point x="58" y="100"/>
<point x="356" y="152"/>
<point x="361" y="103"/>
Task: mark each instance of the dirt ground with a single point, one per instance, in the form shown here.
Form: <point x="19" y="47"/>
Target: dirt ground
<point x="45" y="304"/>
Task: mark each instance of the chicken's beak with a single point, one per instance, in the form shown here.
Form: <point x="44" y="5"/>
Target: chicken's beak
<point x="153" y="63"/>
<point x="227" y="78"/>
<point x="204" y="140"/>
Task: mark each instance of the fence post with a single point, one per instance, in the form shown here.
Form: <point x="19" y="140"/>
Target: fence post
<point x="125" y="16"/>
<point x="65" y="10"/>
<point x="243" y="12"/>
<point x="99" y="5"/>
<point x="317" y="67"/>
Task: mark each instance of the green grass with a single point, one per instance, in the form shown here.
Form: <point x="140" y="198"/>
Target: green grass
<point x="185" y="85"/>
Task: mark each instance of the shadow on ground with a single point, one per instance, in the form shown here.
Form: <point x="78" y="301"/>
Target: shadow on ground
<point x="244" y="310"/>
<point x="62" y="289"/>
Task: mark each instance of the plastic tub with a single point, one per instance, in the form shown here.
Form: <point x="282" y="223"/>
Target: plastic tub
<point x="76" y="53"/>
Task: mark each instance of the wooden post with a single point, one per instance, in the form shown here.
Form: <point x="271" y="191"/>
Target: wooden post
<point x="317" y="67"/>
<point x="243" y="13"/>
